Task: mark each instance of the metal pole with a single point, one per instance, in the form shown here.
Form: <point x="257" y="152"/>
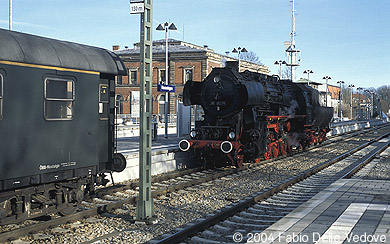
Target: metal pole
<point x="10" y="14"/>
<point x="145" y="208"/>
<point x="293" y="54"/>
<point x="280" y="70"/>
<point x="326" y="92"/>
<point x="166" y="81"/>
<point x="360" y="106"/>
<point x="372" y="104"/>
<point x="339" y="112"/>
<point x="351" y="103"/>
<point x="239" y="51"/>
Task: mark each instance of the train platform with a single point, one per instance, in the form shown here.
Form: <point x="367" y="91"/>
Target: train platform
<point x="165" y="155"/>
<point x="348" y="211"/>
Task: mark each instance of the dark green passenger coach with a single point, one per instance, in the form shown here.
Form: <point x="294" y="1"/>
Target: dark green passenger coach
<point x="57" y="108"/>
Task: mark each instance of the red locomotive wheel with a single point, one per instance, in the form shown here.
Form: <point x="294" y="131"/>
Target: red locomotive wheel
<point x="267" y="155"/>
<point x="283" y="148"/>
<point x="238" y="163"/>
<point x="274" y="150"/>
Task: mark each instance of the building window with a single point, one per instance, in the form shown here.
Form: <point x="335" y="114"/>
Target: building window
<point x="118" y="79"/>
<point x="161" y="76"/>
<point x="59" y="99"/>
<point x="133" y="77"/>
<point x="187" y="74"/>
<point x="161" y="106"/>
<point x="119" y="104"/>
<point x="1" y="97"/>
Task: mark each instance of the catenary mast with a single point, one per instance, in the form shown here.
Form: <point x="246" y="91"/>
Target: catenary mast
<point x="291" y="50"/>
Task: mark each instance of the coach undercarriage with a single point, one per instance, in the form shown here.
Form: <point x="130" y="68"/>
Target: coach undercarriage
<point x="36" y="201"/>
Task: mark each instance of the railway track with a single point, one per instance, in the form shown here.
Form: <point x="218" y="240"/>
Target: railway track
<point x="257" y="212"/>
<point x="163" y="185"/>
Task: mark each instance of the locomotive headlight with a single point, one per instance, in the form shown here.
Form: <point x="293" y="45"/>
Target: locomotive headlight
<point x="232" y="135"/>
<point x="217" y="79"/>
<point x="193" y="134"/>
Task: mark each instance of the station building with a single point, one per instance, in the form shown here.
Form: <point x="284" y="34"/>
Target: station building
<point x="186" y="62"/>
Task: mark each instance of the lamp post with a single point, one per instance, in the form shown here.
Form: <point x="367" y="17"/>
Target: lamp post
<point x="370" y="109"/>
<point x="10" y="15"/>
<point x="351" y="86"/>
<point x="165" y="27"/>
<point x="308" y="72"/>
<point x="280" y="62"/>
<point x="340" y="82"/>
<point x="360" y="109"/>
<point x="326" y="89"/>
<point x="239" y="50"/>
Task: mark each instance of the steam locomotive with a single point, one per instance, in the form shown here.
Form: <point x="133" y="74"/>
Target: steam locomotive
<point x="249" y="117"/>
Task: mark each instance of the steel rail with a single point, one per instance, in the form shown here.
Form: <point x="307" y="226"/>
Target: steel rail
<point x="257" y="197"/>
<point x="13" y="234"/>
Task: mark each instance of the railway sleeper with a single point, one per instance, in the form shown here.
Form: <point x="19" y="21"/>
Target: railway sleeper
<point x="264" y="217"/>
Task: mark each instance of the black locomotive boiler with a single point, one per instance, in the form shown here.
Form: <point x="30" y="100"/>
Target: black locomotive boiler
<point x="56" y="124"/>
<point x="250" y="116"/>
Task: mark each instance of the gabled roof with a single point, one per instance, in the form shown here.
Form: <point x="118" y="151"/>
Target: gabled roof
<point x="174" y="46"/>
<point x="30" y="49"/>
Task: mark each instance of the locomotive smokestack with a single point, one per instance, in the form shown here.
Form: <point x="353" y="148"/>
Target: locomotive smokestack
<point x="233" y="65"/>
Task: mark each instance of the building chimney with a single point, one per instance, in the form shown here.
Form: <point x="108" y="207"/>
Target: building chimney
<point x="116" y="47"/>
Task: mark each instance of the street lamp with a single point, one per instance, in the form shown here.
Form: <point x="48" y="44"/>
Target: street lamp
<point x="340" y="82"/>
<point x="308" y="72"/>
<point x="161" y="27"/>
<point x="239" y="50"/>
<point x="371" y="107"/>
<point x="351" y="86"/>
<point x="360" y="108"/>
<point x="326" y="89"/>
<point x="280" y="62"/>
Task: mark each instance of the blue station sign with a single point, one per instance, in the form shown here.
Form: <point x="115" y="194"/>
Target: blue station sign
<point x="165" y="88"/>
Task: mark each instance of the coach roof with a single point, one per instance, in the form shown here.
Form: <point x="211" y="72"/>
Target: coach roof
<point x="30" y="49"/>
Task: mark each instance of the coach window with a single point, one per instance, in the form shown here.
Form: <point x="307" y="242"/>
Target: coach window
<point x="59" y="99"/>
<point x="1" y="96"/>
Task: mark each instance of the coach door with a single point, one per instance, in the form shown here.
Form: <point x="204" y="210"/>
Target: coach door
<point x="104" y="120"/>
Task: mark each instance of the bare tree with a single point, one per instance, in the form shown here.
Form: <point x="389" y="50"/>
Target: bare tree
<point x="286" y="73"/>
<point x="384" y="96"/>
<point x="251" y="57"/>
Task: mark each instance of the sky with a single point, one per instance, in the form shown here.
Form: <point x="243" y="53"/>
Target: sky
<point x="346" y="40"/>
